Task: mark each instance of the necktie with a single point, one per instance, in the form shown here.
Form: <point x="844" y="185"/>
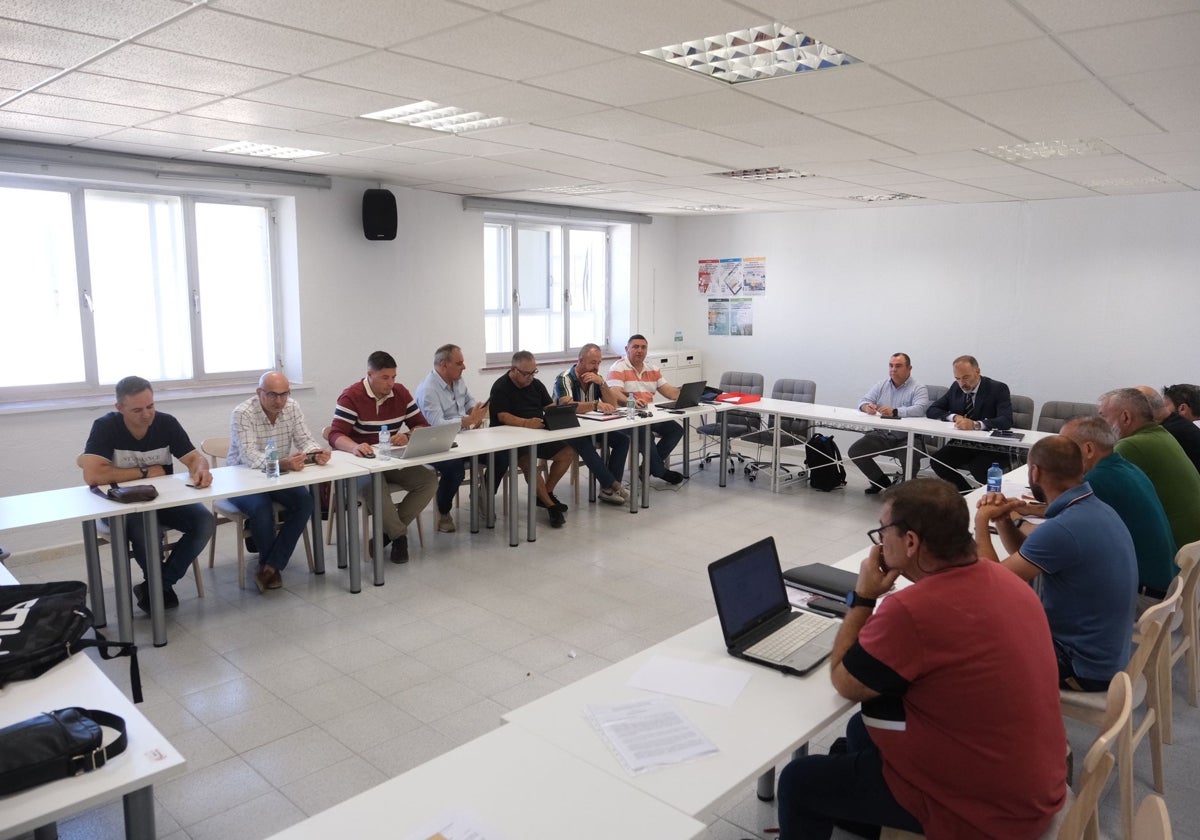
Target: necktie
<point x="969" y="404"/>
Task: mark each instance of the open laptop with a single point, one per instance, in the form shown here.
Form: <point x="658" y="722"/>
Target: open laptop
<point x="426" y="440"/>
<point x="756" y="617"/>
<point x="689" y="396"/>
<point x="560" y="417"/>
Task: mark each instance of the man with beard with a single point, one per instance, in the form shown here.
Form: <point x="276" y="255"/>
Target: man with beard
<point x="1085" y="558"/>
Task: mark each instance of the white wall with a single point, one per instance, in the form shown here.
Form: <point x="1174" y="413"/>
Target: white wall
<point x="1060" y="299"/>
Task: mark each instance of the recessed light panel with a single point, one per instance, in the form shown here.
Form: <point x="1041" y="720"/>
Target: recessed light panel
<point x="705" y="208"/>
<point x="578" y="189"/>
<point x="766" y="173"/>
<point x="1044" y="149"/>
<point x="265" y="150"/>
<point x="761" y="52"/>
<point x="882" y="197"/>
<point x="426" y="114"/>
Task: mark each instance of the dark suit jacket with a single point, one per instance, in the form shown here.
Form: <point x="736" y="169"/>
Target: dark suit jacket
<point x="993" y="404"/>
<point x="1187" y="433"/>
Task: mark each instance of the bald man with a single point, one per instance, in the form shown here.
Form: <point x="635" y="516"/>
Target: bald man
<point x="271" y="414"/>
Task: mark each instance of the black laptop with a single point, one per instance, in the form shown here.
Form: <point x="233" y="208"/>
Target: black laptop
<point x="689" y="396"/>
<point x="560" y="417"/>
<point x="756" y="616"/>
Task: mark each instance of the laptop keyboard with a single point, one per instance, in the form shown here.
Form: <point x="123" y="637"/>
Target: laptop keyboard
<point x="784" y="642"/>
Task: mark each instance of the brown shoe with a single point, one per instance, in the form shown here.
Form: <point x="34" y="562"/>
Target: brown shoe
<point x="276" y="581"/>
<point x="400" y="549"/>
<point x="263" y="576"/>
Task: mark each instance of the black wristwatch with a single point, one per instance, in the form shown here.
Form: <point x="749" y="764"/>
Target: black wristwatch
<point x="145" y="471"/>
<point x="855" y="600"/>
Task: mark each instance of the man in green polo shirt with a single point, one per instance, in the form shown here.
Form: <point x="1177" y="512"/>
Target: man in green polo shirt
<point x="1151" y="447"/>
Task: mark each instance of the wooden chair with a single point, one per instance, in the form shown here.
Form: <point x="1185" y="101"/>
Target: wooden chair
<point x="1184" y="640"/>
<point x="1152" y="821"/>
<point x="1144" y="670"/>
<point x="1079" y="818"/>
<point x="364" y="509"/>
<point x="104" y="537"/>
<point x="217" y="450"/>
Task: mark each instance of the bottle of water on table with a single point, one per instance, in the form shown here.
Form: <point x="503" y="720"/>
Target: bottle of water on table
<point x="630" y="408"/>
<point x="385" y="437"/>
<point x="995" y="478"/>
<point x="272" y="466"/>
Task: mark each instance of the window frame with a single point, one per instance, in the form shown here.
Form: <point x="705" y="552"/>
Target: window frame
<point x="90" y="386"/>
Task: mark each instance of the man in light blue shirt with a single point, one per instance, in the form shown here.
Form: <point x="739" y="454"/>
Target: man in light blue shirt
<point x="443" y="398"/>
<point x="897" y="396"/>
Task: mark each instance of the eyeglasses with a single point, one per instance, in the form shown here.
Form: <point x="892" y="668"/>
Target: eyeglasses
<point x="279" y="395"/>
<point x="526" y="373"/>
<point x="876" y="534"/>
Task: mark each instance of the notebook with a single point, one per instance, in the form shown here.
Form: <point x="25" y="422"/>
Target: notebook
<point x="822" y="579"/>
<point x="426" y="440"/>
<point x="756" y="617"/>
<point x="689" y="395"/>
<point x="560" y="417"/>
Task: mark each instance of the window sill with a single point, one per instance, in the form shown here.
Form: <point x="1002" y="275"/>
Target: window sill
<point x="165" y="395"/>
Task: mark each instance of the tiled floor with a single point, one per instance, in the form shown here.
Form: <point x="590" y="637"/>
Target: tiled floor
<point x="287" y="703"/>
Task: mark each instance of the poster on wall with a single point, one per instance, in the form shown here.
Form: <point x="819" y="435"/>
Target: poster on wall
<point x="732" y="276"/>
<point x="718" y="316"/>
<point x="705" y="278"/>
<point x="754" y="275"/>
<point x="731" y="316"/>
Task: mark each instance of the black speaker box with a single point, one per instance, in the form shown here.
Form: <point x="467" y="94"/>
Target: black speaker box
<point x="379" y="214"/>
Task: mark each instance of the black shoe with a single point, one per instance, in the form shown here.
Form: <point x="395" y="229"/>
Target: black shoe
<point x="876" y="489"/>
<point x="559" y="505"/>
<point x="557" y="520"/>
<point x="400" y="550"/>
<point x="371" y="544"/>
<point x="251" y="545"/>
<point x="170" y="599"/>
<point x="672" y="477"/>
<point x="141" y="597"/>
<point x="555" y="506"/>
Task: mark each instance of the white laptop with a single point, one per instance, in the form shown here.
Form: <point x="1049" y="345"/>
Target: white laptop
<point x="425" y="440"/>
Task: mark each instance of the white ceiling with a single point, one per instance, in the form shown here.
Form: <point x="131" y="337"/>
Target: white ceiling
<point x="938" y="80"/>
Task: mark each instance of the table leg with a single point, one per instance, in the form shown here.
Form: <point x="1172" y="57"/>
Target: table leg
<point x="158" y="613"/>
<point x="46" y="832"/>
<point x="775" y="455"/>
<point x="341" y="490"/>
<point x="355" y="549"/>
<point x="635" y="476"/>
<point x="724" y="461"/>
<point x="911" y="456"/>
<point x="122" y="584"/>
<point x="318" y="537"/>
<point x="91" y="555"/>
<point x="475" y="495"/>
<point x="647" y="442"/>
<point x="513" y="469"/>
<point x="489" y="497"/>
<point x="687" y="447"/>
<point x="766" y="786"/>
<point x="531" y="499"/>
<point x="139" y="814"/>
<point x="377" y="514"/>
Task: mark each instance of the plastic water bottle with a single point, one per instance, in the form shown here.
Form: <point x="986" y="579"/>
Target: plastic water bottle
<point x="272" y="466"/>
<point x="385" y="437"/>
<point x="630" y="408"/>
<point x="995" y="478"/>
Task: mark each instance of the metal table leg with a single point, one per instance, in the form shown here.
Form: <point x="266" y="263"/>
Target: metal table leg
<point x="647" y="442"/>
<point x="121" y="579"/>
<point x="531" y="500"/>
<point x="377" y="512"/>
<point x="158" y="613"/>
<point x="318" y="537"/>
<point x="724" y="420"/>
<point x="476" y="494"/>
<point x="766" y="786"/>
<point x="91" y="555"/>
<point x="513" y="469"/>
<point x="139" y="814"/>
<point x="635" y="476"/>
<point x="489" y="495"/>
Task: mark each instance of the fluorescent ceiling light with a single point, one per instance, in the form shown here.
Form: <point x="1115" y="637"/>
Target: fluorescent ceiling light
<point x="882" y="197"/>
<point x="265" y="150"/>
<point x="578" y="189"/>
<point x="1043" y="149"/>
<point x="426" y="114"/>
<point x="1139" y="181"/>
<point x="766" y="173"/>
<point x="761" y="52"/>
<point x="705" y="208"/>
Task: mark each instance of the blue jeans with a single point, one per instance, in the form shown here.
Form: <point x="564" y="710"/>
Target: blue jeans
<point x="607" y="472"/>
<point x="196" y="524"/>
<point x="450" y="478"/>
<point x="815" y="790"/>
<point x="275" y="548"/>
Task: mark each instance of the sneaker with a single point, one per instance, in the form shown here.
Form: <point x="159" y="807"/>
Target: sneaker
<point x="555" y="504"/>
<point x="400" y="550"/>
<point x="445" y="523"/>
<point x="141" y="597"/>
<point x="557" y="520"/>
<point x="612" y="497"/>
<point x="262" y="577"/>
<point x="672" y="477"/>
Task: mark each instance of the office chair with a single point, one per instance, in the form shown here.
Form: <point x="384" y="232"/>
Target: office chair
<point x="792" y="430"/>
<point x="1056" y="413"/>
<point x="739" y="422"/>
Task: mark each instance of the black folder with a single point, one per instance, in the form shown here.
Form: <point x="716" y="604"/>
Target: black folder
<point x="821" y="579"/>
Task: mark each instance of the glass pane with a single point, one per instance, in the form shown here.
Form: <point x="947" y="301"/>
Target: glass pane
<point x="139" y="285"/>
<point x="233" y="255"/>
<point x="589" y="285"/>
<point x="539" y="283"/>
<point x="497" y="289"/>
<point x="40" y="292"/>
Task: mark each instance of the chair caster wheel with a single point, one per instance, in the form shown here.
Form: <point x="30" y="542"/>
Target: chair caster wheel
<point x="750" y="476"/>
<point x="700" y="466"/>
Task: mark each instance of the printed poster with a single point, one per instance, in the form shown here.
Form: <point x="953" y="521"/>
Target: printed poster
<point x="718" y="316"/>
<point x="732" y="277"/>
<point x="754" y="275"/>
<point x="741" y="316"/>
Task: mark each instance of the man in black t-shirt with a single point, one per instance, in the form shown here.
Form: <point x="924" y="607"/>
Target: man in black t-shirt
<point x="136" y="442"/>
<point x="519" y="399"/>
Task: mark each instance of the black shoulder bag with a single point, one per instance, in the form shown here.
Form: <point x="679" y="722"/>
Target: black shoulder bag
<point x="56" y="745"/>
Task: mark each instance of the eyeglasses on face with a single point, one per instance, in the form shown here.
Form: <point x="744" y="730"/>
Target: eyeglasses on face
<point x="526" y="373"/>
<point x="876" y="534"/>
<point x="279" y="395"/>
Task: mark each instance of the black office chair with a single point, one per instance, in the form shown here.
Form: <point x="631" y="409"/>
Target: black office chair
<point x="739" y="422"/>
<point x="792" y="430"/>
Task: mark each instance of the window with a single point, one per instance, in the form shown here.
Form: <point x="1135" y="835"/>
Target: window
<point x="103" y="283"/>
<point x="548" y="286"/>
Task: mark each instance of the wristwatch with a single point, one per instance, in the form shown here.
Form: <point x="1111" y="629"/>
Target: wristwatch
<point x="855" y="600"/>
<point x="145" y="471"/>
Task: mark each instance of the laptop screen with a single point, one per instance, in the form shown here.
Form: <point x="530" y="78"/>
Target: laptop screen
<point x="748" y="588"/>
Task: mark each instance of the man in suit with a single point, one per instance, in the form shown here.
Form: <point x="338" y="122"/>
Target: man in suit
<point x="972" y="402"/>
<point x="1182" y="430"/>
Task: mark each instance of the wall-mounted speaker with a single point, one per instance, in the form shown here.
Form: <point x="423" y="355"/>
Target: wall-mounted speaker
<point x="379" y="214"/>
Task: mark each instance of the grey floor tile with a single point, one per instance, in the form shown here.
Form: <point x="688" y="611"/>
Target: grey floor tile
<point x="333" y="784"/>
<point x="260" y="817"/>
<point x="210" y="791"/>
<point x="297" y="755"/>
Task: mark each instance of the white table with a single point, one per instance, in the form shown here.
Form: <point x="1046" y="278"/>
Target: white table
<point x="513" y="783"/>
<point x="148" y="759"/>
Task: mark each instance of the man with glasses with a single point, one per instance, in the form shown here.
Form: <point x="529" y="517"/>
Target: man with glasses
<point x="581" y="385"/>
<point x="972" y="402"/>
<point x="939" y="667"/>
<point x="271" y="415"/>
<point x="363" y="409"/>
<point x="444" y="400"/>
<point x="519" y="399"/>
<point x="897" y="396"/>
<point x="635" y="377"/>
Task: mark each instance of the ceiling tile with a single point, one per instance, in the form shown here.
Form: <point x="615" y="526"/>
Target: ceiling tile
<point x="125" y="92"/>
<point x="627" y="81"/>
<point x="703" y="145"/>
<point x="1024" y="64"/>
<point x="63" y="138"/>
<point x="533" y="137"/>
<point x="380" y="23"/>
<point x="403" y="154"/>
<point x="326" y="97"/>
<point x="1169" y="97"/>
<point x="511" y="49"/>
<point x="614" y="124"/>
<point x="109" y="19"/>
<point x="836" y="89"/>
<point x="728" y="103"/>
<point x="51" y="47"/>
<point x="935" y="139"/>
<point x="458" y="145"/>
<point x="404" y="76"/>
<point x="52" y="125"/>
<point x="1133" y="47"/>
<point x="1066" y="15"/>
<point x="163" y="139"/>
<point x="260" y="113"/>
<point x="226" y="37"/>
<point x="642" y="160"/>
<point x="17" y="75"/>
<point x="146" y="64"/>
<point x="522" y="102"/>
<point x="61" y="106"/>
<point x="1032" y="105"/>
<point x="371" y="131"/>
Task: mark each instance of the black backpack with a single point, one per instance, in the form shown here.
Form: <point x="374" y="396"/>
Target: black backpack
<point x="41" y="624"/>
<point x="823" y="459"/>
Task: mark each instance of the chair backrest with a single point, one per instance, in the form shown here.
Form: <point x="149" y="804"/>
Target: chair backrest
<point x="743" y="382"/>
<point x="1057" y="412"/>
<point x="796" y="390"/>
<point x="1083" y="815"/>
<point x="1152" y="821"/>
<point x="936" y="392"/>
<point x="216" y="448"/>
<point x="1022" y="411"/>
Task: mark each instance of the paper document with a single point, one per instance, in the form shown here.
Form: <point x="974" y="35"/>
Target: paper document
<point x="682" y="678"/>
<point x="600" y="415"/>
<point x="454" y="825"/>
<point x="645" y="734"/>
